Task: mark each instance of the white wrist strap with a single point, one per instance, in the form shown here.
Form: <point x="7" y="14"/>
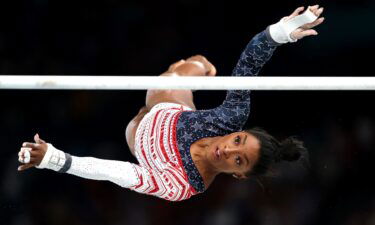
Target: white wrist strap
<point x="55" y="159"/>
<point x="280" y="32"/>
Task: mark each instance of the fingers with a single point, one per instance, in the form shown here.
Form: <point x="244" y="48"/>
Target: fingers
<point x="319" y="12"/>
<point x="27" y="157"/>
<point x="38" y="140"/>
<point x="30" y="145"/>
<point x="35" y="145"/>
<point x="25" y="167"/>
<point x="24" y="155"/>
<point x="313" y="8"/>
<point x="306" y="30"/>
<point x="296" y="12"/>
<point x="316" y="10"/>
<point x="26" y="150"/>
<point x="30" y="153"/>
<point x="313" y="24"/>
<point x="305" y="33"/>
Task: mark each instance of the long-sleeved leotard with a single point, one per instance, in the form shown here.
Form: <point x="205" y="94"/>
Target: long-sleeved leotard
<point x="230" y="116"/>
<point x="165" y="134"/>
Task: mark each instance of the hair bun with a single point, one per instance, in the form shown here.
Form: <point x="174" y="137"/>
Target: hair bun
<point x="291" y="149"/>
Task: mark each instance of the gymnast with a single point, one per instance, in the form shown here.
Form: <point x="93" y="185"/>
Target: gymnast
<point x="180" y="150"/>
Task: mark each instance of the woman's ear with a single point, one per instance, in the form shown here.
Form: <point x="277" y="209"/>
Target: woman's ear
<point x="239" y="176"/>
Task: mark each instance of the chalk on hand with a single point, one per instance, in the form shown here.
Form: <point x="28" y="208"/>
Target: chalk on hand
<point x="26" y="156"/>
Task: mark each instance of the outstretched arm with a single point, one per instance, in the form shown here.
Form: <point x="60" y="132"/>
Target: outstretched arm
<point x="232" y="115"/>
<point x="289" y="29"/>
<point x="125" y="174"/>
<point x="260" y="49"/>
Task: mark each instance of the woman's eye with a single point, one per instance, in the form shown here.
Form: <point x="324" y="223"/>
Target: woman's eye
<point x="237" y="140"/>
<point x="238" y="160"/>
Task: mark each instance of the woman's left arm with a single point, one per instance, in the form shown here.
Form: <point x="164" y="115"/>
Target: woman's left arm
<point x="232" y="114"/>
<point x="289" y="29"/>
<point x="260" y="49"/>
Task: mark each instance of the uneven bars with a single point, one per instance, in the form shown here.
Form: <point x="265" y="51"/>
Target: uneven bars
<point x="174" y="82"/>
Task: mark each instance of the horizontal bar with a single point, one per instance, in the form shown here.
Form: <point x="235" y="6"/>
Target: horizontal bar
<point x="174" y="82"/>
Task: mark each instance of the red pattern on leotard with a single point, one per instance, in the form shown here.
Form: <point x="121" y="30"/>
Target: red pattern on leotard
<point x="160" y="171"/>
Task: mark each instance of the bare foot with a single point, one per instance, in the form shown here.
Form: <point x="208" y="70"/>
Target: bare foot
<point x="173" y="67"/>
<point x="210" y="69"/>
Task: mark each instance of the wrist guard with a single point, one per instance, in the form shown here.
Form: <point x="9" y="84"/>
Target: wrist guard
<point x="56" y="160"/>
<point x="280" y="32"/>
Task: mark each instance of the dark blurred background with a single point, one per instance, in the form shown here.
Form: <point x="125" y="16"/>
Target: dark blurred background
<point x="142" y="38"/>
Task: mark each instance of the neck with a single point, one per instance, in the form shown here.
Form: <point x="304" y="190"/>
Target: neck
<point x="198" y="151"/>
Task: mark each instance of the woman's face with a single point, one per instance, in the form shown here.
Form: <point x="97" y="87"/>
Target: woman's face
<point x="235" y="153"/>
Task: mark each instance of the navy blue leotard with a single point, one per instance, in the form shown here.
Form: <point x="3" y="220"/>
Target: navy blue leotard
<point x="230" y="116"/>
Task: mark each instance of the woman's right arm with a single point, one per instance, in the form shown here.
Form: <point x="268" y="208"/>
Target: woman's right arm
<point x="124" y="174"/>
<point x="45" y="156"/>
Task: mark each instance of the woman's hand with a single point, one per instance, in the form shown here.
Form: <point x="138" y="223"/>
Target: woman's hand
<point x="306" y="30"/>
<point x="36" y="152"/>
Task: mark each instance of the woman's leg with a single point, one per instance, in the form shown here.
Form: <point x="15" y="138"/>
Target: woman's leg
<point x="132" y="128"/>
<point x="194" y="66"/>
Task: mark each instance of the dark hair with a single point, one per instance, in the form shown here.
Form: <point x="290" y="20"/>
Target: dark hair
<point x="272" y="151"/>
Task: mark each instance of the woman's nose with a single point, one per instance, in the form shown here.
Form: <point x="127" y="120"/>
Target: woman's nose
<point x="228" y="151"/>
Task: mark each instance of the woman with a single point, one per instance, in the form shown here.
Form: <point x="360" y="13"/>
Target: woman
<point x="181" y="150"/>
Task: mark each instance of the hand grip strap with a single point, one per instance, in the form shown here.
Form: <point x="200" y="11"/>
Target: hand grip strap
<point x="280" y="32"/>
